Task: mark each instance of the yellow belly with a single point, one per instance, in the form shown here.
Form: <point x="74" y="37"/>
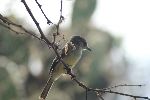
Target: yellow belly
<point x="71" y="60"/>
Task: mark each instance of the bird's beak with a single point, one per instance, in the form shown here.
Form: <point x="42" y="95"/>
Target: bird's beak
<point x="87" y="48"/>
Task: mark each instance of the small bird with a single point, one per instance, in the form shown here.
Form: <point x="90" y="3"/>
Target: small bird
<point x="70" y="54"/>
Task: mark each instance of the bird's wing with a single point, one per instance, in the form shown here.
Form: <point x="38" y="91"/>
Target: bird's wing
<point x="67" y="49"/>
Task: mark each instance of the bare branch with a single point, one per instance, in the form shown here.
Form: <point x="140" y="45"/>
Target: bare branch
<point x="40" y="6"/>
<point x="33" y="18"/>
<point x="86" y="93"/>
<point x="123" y="85"/>
<point x="54" y="47"/>
<point x="20" y="29"/>
<point x="123" y="94"/>
<point x="99" y="95"/>
<point x="61" y="18"/>
<point x="36" y="23"/>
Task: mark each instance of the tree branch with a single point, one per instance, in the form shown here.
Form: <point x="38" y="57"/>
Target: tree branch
<point x="36" y="23"/>
<point x="40" y="6"/>
<point x="54" y="47"/>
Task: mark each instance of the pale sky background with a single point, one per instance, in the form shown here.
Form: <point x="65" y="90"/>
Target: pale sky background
<point x="129" y="19"/>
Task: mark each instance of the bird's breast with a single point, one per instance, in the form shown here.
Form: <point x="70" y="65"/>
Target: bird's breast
<point x="73" y="58"/>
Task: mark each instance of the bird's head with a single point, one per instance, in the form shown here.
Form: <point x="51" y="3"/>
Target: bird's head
<point x="79" y="41"/>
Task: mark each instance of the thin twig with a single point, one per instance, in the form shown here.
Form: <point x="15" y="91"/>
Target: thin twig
<point x="40" y="6"/>
<point x="73" y="77"/>
<point x="122" y="85"/>
<point x="107" y="91"/>
<point x="86" y="93"/>
<point x="36" y="23"/>
<point x="123" y="94"/>
<point x="33" y="18"/>
<point x="61" y="18"/>
<point x="20" y="27"/>
<point x="99" y="95"/>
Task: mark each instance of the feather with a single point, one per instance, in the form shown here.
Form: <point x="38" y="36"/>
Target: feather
<point x="46" y="88"/>
<point x="67" y="49"/>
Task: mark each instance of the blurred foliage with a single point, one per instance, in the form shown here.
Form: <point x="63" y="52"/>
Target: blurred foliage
<point x="13" y="46"/>
<point x="95" y="68"/>
<point x="7" y="88"/>
<point x="82" y="12"/>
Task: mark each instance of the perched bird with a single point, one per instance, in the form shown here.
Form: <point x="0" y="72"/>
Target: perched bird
<point x="70" y="54"/>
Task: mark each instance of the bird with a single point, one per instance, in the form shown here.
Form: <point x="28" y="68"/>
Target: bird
<point x="70" y="54"/>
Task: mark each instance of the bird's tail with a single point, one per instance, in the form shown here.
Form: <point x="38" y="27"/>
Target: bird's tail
<point x="46" y="88"/>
